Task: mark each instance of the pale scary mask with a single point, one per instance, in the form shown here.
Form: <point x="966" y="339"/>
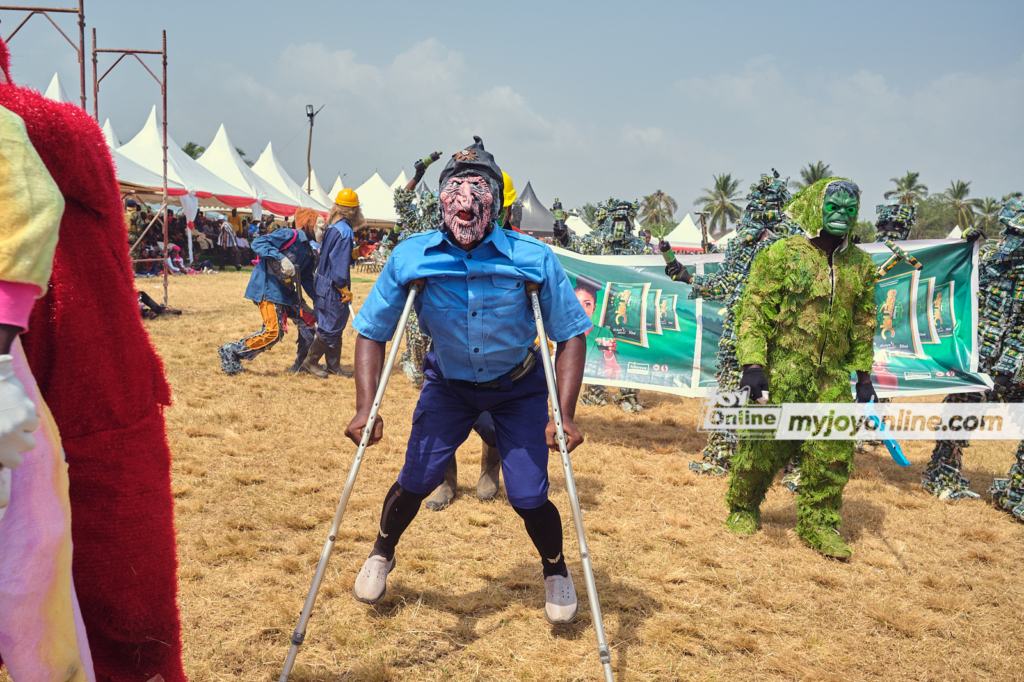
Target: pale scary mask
<point x="467" y="205"/>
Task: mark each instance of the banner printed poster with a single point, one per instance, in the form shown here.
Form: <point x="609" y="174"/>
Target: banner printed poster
<point x="682" y="360"/>
<point x="624" y="311"/>
<point x="654" y="312"/>
<point x="943" y="316"/>
<point x="925" y="319"/>
<point x="896" y="332"/>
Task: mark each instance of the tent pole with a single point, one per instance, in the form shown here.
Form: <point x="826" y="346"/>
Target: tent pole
<point x="95" y="83"/>
<point x="163" y="91"/>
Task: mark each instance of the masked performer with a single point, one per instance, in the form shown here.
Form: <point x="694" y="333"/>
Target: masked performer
<point x="805" y="322"/>
<point x="763" y="223"/>
<point x="307" y="219"/>
<point x="420" y="216"/>
<point x="613" y="236"/>
<point x="1001" y="283"/>
<point x="42" y="636"/>
<point x="107" y="405"/>
<point x="334" y="285"/>
<point x="286" y="260"/>
<point x="475" y="309"/>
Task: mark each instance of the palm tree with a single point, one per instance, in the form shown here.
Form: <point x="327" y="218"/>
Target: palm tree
<point x="1013" y="195"/>
<point x="587" y="213"/>
<point x="908" y="189"/>
<point x="720" y="202"/>
<point x="812" y="173"/>
<point x="956" y="200"/>
<point x="194" y="150"/>
<point x="988" y="213"/>
<point x="658" y="208"/>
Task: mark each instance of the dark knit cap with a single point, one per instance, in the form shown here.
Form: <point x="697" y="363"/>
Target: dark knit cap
<point x="474" y="159"/>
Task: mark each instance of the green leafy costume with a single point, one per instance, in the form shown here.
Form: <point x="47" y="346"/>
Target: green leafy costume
<point x="810" y="325"/>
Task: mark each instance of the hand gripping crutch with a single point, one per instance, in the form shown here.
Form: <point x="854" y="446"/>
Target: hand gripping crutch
<point x="570" y="486"/>
<point x="321" y="568"/>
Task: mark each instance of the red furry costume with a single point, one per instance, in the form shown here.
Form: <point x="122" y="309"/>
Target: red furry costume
<point x="105" y="385"/>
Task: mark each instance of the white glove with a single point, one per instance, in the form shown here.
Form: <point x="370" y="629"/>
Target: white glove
<point x="320" y="230"/>
<point x="287" y="267"/>
<point x="18" y="417"/>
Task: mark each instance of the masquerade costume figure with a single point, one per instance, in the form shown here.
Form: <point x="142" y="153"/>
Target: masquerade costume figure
<point x="805" y="322"/>
<point x="286" y="261"/>
<point x="613" y="236"/>
<point x="333" y="285"/>
<point x="310" y="222"/>
<point x="108" y="406"/>
<point x="475" y="308"/>
<point x="42" y="636"/>
<point x="1001" y="287"/>
<point x="763" y="223"/>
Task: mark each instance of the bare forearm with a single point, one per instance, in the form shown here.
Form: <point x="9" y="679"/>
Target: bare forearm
<point x="570" y="359"/>
<point x="369" y="362"/>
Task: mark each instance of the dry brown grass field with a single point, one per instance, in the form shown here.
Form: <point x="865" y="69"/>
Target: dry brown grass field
<point x="935" y="590"/>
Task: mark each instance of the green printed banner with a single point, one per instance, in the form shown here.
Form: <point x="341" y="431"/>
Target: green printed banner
<point x="649" y="334"/>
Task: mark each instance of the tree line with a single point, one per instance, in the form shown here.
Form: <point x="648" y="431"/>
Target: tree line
<point x="937" y="213"/>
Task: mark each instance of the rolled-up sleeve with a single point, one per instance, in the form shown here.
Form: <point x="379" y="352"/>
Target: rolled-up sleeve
<point x="564" y="317"/>
<point x="378" y="318"/>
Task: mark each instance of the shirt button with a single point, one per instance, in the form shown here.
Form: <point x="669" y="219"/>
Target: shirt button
<point x="470" y="256"/>
<point x="474" y="314"/>
<point x="476" y="350"/>
<point x="480" y="370"/>
<point x="472" y="277"/>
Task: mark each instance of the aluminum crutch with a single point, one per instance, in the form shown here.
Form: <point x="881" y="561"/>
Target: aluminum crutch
<point x="321" y="568"/>
<point x="570" y="486"/>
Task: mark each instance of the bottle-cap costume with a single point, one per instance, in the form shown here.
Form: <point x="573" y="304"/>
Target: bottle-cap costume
<point x="475" y="309"/>
<point x="1001" y="350"/>
<point x="809" y="323"/>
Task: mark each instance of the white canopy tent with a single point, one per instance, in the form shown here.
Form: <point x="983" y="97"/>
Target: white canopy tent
<point x="576" y="224"/>
<point x="112" y="140"/>
<point x="685" y="232"/>
<point x="146" y="149"/>
<point x="337" y="187"/>
<point x="400" y="182"/>
<point x="270" y="169"/>
<point x="56" y="90"/>
<point x="377" y="200"/>
<point x="955" y="233"/>
<point x="222" y="159"/>
<point x="313" y="187"/>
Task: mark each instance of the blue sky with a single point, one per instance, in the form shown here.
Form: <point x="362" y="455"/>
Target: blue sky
<point x="585" y="99"/>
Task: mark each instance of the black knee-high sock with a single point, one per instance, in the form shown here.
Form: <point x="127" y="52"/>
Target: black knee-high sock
<point x="544" y="526"/>
<point x="400" y="508"/>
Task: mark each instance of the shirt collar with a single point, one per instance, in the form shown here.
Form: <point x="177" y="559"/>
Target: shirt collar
<point x="496" y="237"/>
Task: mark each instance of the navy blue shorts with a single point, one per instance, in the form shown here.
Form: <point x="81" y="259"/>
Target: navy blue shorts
<point x="445" y="415"/>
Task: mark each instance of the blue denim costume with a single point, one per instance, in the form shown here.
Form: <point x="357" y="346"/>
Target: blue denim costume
<point x="475" y="308"/>
<point x="333" y="274"/>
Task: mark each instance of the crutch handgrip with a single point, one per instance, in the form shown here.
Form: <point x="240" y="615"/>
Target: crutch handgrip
<point x="418" y="284"/>
<point x="532" y="287"/>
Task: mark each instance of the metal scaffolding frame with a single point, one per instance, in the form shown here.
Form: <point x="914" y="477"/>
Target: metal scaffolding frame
<point x="45" y="12"/>
<point x="96" y="80"/>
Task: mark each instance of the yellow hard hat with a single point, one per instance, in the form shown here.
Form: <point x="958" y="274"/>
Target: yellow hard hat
<point x="510" y="190"/>
<point x="347" y="197"/>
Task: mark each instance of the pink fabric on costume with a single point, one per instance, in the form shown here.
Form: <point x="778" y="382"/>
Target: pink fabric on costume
<point x="16" y="301"/>
<point x="42" y="637"/>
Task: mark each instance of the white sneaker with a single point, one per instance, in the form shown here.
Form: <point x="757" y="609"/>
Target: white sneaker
<point x="561" y="606"/>
<point x="372" y="581"/>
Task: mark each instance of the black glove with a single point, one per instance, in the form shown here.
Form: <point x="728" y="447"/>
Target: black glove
<point x="973" y="234"/>
<point x="561" y="233"/>
<point x="1000" y="382"/>
<point x="677" y="272"/>
<point x="866" y="393"/>
<point x="754" y="379"/>
<point x="421" y="165"/>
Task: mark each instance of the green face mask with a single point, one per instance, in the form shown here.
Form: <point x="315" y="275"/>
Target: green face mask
<point x="838" y="214"/>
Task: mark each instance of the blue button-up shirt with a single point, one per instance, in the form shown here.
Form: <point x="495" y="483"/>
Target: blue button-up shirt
<point x="474" y="305"/>
<point x="263" y="286"/>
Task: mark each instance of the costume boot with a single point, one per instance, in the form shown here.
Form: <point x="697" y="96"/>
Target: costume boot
<point x="490" y="471"/>
<point x="301" y="351"/>
<point x="445" y="493"/>
<point x="333" y="359"/>
<point x="312" y="362"/>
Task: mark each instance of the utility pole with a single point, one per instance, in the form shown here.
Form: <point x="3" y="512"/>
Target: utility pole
<point x="309" y="150"/>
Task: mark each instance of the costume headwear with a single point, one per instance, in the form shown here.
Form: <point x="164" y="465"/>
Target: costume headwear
<point x="474" y="160"/>
<point x="807" y="206"/>
<point x="347" y="197"/>
<point x="510" y="190"/>
<point x="305" y="218"/>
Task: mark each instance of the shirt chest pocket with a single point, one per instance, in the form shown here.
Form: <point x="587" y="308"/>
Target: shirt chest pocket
<point x="443" y="294"/>
<point x="507" y="297"/>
